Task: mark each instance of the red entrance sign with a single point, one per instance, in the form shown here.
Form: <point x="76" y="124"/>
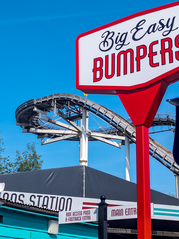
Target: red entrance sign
<point x="136" y="58"/>
<point x="130" y="53"/>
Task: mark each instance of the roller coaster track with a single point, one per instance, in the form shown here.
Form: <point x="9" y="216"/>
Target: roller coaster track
<point x="29" y="116"/>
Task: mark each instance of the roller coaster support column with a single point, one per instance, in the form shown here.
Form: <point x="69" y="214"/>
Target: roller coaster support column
<point x="176" y="185"/>
<point x="84" y="139"/>
<point x="127" y="159"/>
<point x="175" y="102"/>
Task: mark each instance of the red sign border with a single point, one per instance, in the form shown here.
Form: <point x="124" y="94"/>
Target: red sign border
<point x="170" y="76"/>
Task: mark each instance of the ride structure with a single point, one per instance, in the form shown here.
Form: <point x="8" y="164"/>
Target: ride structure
<point x="66" y="116"/>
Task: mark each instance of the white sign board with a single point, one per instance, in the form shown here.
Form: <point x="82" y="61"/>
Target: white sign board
<point x="123" y="212"/>
<point x="88" y="215"/>
<point x="91" y="215"/>
<point x="116" y="209"/>
<point x="158" y="211"/>
<point x="166" y="212"/>
<point x="57" y="202"/>
<point x="130" y="53"/>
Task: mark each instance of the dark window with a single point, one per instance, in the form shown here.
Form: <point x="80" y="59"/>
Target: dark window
<point x="1" y="219"/>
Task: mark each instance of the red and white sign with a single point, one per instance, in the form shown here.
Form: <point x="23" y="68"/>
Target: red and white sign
<point x="57" y="202"/>
<point x="130" y="53"/>
<point x="91" y="215"/>
<point x="158" y="211"/>
<point x="123" y="212"/>
<point x="87" y="215"/>
<point x="136" y="58"/>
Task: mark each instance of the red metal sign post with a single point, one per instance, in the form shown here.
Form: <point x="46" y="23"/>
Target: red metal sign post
<point x="143" y="183"/>
<point x="142" y="113"/>
<point x="136" y="57"/>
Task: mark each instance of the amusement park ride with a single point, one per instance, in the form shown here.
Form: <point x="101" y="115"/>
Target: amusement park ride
<point x="66" y="117"/>
<point x="135" y="58"/>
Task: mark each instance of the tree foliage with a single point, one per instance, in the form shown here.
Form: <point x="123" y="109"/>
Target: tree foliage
<point x="5" y="165"/>
<point x="28" y="160"/>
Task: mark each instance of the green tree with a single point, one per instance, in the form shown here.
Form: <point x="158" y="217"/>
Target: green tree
<point x="5" y="165"/>
<point x="28" y="160"/>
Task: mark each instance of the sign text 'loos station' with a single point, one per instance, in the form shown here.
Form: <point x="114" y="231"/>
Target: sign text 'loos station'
<point x="130" y="53"/>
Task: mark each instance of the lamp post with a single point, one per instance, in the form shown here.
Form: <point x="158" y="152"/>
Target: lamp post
<point x="102" y="218"/>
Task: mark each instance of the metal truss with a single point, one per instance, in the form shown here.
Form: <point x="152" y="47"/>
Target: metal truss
<point x="55" y="117"/>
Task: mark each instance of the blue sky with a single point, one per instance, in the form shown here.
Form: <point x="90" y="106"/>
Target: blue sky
<point x="37" y="58"/>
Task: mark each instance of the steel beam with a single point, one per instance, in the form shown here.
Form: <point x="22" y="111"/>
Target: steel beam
<point x="49" y="141"/>
<point x="107" y="141"/>
<point x="48" y="119"/>
<point x="106" y="136"/>
<point x="127" y="159"/>
<point x="48" y="131"/>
